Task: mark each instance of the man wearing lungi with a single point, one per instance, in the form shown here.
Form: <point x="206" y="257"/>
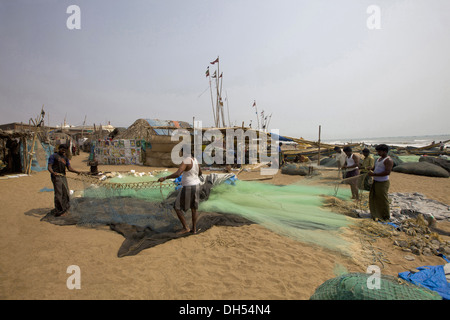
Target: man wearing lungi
<point x="189" y="195"/>
<point x="57" y="164"/>
<point x="378" y="196"/>
<point x="351" y="170"/>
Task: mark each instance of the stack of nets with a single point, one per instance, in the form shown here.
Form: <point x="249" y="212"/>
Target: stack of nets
<point x="360" y="286"/>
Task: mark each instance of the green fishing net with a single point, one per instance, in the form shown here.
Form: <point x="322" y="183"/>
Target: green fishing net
<point x="151" y="192"/>
<point x="409" y="158"/>
<point x="363" y="286"/>
<point x="294" y="211"/>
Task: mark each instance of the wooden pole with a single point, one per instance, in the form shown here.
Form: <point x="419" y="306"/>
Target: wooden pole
<point x="318" y="156"/>
<point x="228" y="108"/>
<point x="217" y="92"/>
<point x="212" y="100"/>
<point x="257" y="115"/>
<point x="221" y="101"/>
<point x="31" y="153"/>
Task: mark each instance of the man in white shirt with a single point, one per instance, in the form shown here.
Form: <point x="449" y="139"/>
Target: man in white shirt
<point x="340" y="158"/>
<point x="189" y="195"/>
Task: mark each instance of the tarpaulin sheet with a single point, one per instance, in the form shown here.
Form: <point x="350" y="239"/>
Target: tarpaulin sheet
<point x="42" y="151"/>
<point x="431" y="277"/>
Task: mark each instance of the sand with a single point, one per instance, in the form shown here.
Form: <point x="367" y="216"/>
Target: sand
<point x="248" y="262"/>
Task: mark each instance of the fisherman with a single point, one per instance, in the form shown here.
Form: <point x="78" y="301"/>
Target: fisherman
<point x="351" y="170"/>
<point x="280" y="155"/>
<point x="189" y="195"/>
<point x="378" y="196"/>
<point x="57" y="164"/>
<point x="340" y="159"/>
<point x="366" y="165"/>
<point x="94" y="165"/>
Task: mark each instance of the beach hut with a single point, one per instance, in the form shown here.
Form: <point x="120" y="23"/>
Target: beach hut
<point x="23" y="152"/>
<point x="157" y="135"/>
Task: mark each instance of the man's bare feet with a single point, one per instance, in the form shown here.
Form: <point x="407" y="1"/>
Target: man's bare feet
<point x="183" y="231"/>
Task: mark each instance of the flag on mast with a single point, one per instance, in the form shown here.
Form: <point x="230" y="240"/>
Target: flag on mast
<point x="217" y="60"/>
<point x="207" y="72"/>
<point x="214" y="75"/>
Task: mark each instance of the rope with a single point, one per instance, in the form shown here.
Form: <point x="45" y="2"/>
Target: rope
<point x="160" y="190"/>
<point x="125" y="185"/>
<point x="336" y="186"/>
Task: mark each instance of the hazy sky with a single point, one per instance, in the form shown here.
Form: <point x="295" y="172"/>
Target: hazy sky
<point x="309" y="63"/>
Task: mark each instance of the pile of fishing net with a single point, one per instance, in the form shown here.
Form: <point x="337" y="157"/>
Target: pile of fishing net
<point x="363" y="286"/>
<point x="422" y="168"/>
<point x="295" y="211"/>
<point x="444" y="163"/>
<point x="298" y="169"/>
<point x="145" y="215"/>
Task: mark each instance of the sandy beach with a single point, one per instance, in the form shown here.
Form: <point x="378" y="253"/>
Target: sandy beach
<point x="247" y="262"/>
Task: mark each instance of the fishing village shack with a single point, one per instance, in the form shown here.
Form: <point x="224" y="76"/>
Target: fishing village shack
<point x="23" y="151"/>
<point x="145" y="142"/>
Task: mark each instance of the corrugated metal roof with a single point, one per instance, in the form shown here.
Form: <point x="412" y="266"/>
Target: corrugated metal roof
<point x="166" y="123"/>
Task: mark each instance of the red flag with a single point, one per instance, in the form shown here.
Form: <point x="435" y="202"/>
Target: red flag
<point x="207" y="72"/>
<point x="221" y="75"/>
<point x="254" y="104"/>
<point x="217" y="60"/>
<point x="214" y="75"/>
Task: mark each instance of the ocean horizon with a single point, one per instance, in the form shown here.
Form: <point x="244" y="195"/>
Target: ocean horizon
<point x="400" y="141"/>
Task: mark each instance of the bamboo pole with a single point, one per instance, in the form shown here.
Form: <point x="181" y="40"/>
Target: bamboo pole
<point x="31" y="153"/>
<point x="318" y="154"/>
<point x="212" y="99"/>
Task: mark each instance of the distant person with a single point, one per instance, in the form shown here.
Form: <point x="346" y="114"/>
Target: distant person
<point x="340" y="159"/>
<point x="366" y="165"/>
<point x="441" y="146"/>
<point x="378" y="197"/>
<point x="57" y="164"/>
<point x="280" y="155"/>
<point x="351" y="170"/>
<point x="94" y="165"/>
<point x="189" y="195"/>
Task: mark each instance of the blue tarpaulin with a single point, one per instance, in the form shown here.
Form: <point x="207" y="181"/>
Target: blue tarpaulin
<point x="431" y="277"/>
<point x="166" y="123"/>
<point x="280" y="138"/>
<point x="42" y="151"/>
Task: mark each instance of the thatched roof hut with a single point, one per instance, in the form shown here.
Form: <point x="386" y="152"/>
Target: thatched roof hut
<point x="144" y="129"/>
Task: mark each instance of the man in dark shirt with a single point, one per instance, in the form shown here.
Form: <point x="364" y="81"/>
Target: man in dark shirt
<point x="57" y="164"/>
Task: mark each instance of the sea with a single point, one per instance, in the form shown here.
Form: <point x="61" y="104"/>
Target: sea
<point x="402" y="141"/>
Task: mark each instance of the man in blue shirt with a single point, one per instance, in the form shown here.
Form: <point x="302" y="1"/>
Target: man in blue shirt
<point x="57" y="164"/>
